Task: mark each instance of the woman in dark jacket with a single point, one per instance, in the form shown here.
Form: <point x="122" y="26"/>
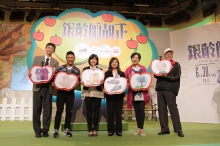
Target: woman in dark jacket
<point x="115" y="101"/>
<point x="93" y="97"/>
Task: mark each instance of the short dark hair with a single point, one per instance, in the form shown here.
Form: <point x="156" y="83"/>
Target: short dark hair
<point x="51" y="44"/>
<point x="135" y="53"/>
<point x="110" y="62"/>
<point x="93" y="56"/>
<point x="70" y="52"/>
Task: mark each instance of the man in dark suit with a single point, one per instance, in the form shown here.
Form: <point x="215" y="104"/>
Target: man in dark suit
<point x="42" y="94"/>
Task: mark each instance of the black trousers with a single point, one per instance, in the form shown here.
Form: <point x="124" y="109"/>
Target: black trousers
<point x="42" y="100"/>
<point x="139" y="107"/>
<point x="168" y="98"/>
<point x="114" y="109"/>
<point x="64" y="97"/>
<point x="92" y="112"/>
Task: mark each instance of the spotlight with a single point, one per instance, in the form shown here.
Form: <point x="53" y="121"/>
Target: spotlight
<point x="161" y="3"/>
<point x="17" y="16"/>
<point x="2" y="15"/>
<point x="143" y="20"/>
<point x="208" y="9"/>
<point x="109" y="3"/>
<point x="168" y="21"/>
<point x="181" y="17"/>
<point x="193" y="5"/>
<point x="43" y="14"/>
<point x="31" y="16"/>
<point x="130" y="17"/>
<point x="155" y="21"/>
<point x="131" y="3"/>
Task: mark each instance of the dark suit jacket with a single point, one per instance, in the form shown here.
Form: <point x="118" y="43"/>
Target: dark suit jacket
<point x="99" y="88"/>
<point x="38" y="60"/>
<point x="110" y="74"/>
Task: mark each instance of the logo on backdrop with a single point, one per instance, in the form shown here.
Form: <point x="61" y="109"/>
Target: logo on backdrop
<point x="107" y="34"/>
<point x="206" y="55"/>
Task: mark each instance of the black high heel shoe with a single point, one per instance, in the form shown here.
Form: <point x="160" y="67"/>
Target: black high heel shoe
<point x="119" y="134"/>
<point x="110" y="134"/>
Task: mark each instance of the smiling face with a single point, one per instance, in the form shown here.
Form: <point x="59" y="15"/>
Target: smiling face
<point x="93" y="61"/>
<point x="114" y="64"/>
<point x="70" y="58"/>
<point x="168" y="55"/>
<point x="49" y="50"/>
<point x="135" y="60"/>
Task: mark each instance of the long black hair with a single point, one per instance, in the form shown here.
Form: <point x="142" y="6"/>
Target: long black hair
<point x="110" y="62"/>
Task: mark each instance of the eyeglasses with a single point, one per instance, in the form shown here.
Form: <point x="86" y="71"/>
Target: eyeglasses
<point x="169" y="54"/>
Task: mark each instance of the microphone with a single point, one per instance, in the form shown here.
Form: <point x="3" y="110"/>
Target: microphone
<point x="42" y="63"/>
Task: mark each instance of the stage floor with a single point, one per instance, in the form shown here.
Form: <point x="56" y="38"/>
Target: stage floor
<point x="20" y="133"/>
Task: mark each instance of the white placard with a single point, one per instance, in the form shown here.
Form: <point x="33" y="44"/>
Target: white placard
<point x="115" y="85"/>
<point x="41" y="74"/>
<point x="159" y="67"/>
<point x="64" y="81"/>
<point x="92" y="77"/>
<point x="140" y="81"/>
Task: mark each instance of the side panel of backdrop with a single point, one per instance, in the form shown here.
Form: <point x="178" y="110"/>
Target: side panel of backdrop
<point x="198" y="52"/>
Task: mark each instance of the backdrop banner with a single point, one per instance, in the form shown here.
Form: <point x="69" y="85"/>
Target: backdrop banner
<point x="105" y="33"/>
<point x="198" y="52"/>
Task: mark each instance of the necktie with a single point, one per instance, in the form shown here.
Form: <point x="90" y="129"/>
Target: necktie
<point x="47" y="62"/>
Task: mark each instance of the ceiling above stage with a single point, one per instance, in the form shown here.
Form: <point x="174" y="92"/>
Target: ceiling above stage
<point x="173" y="11"/>
<point x="121" y="6"/>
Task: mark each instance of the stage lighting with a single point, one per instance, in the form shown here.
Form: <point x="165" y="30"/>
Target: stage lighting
<point x="109" y="3"/>
<point x="181" y="16"/>
<point x="208" y="9"/>
<point x="161" y="3"/>
<point x="130" y="3"/>
<point x="2" y="15"/>
<point x="130" y="17"/>
<point x="31" y="16"/>
<point x="143" y="20"/>
<point x="168" y="21"/>
<point x="43" y="14"/>
<point x="193" y="5"/>
<point x="155" y="21"/>
<point x="17" y="16"/>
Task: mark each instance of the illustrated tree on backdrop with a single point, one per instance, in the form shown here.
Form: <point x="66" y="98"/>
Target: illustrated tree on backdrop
<point x="15" y="41"/>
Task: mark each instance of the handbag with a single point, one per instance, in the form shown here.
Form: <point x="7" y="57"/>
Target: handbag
<point x="138" y="96"/>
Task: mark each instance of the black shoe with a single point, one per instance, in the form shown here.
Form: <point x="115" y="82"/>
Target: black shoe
<point x="180" y="134"/>
<point x="95" y="134"/>
<point x="165" y="132"/>
<point x="56" y="133"/>
<point x="45" y="134"/>
<point x="38" y="134"/>
<point x="110" y="134"/>
<point x="67" y="132"/>
<point x="119" y="134"/>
